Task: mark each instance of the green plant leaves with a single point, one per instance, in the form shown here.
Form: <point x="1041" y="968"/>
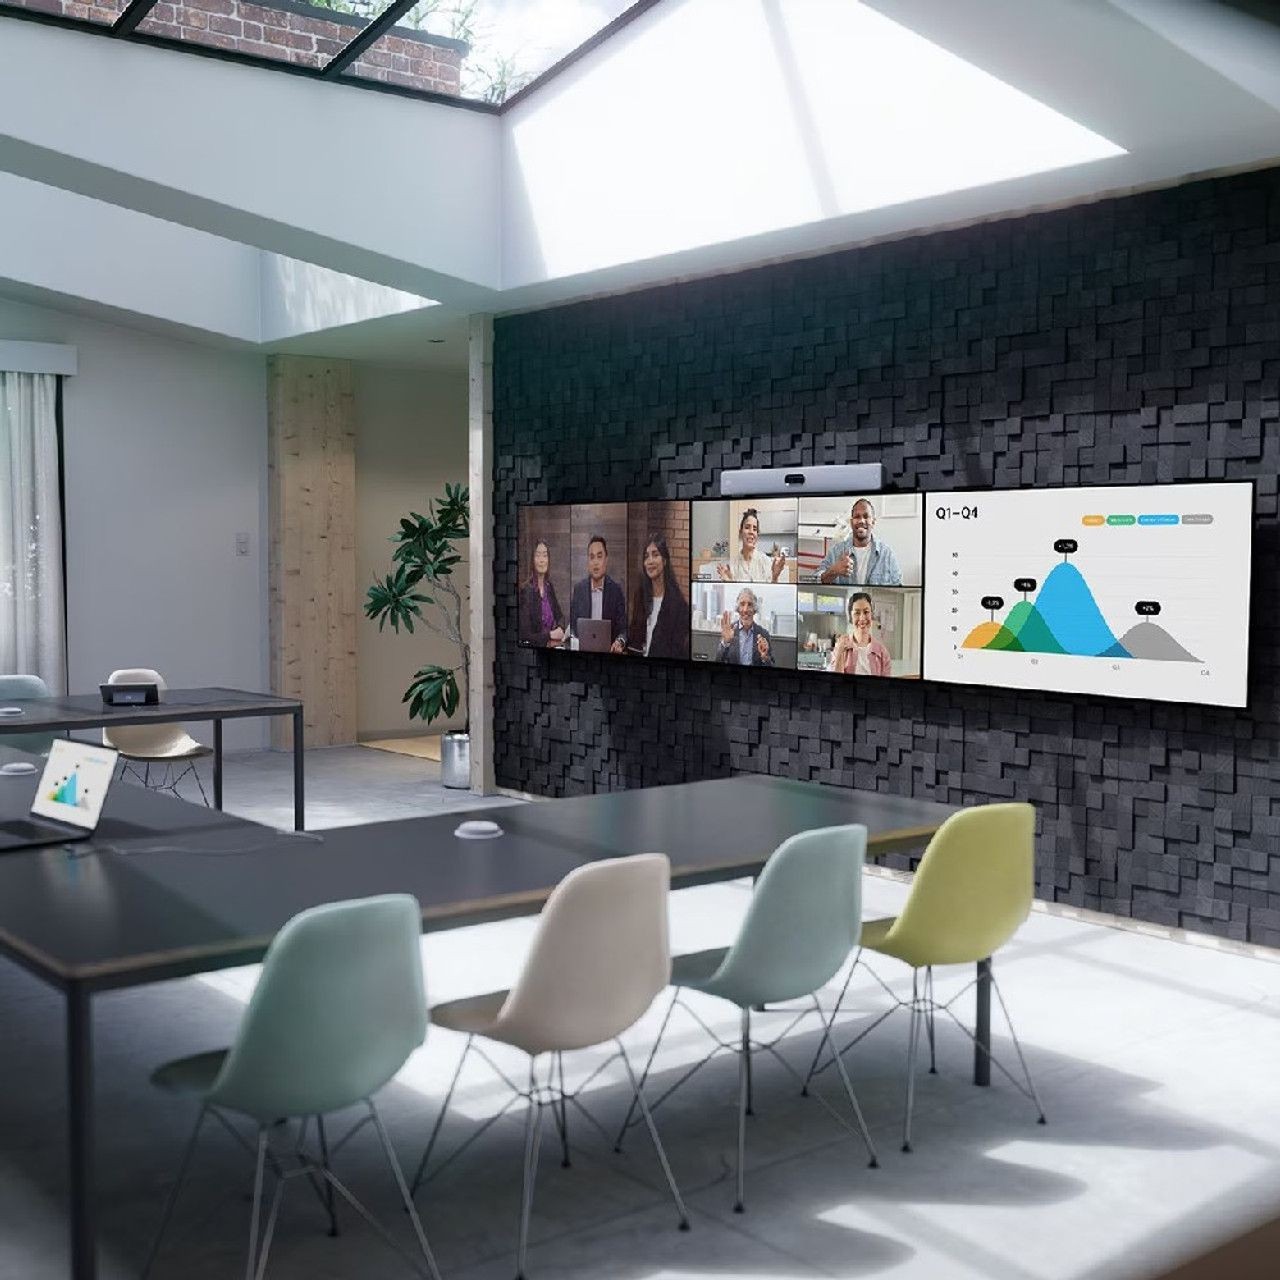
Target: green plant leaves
<point x="394" y="600"/>
<point x="433" y="691"/>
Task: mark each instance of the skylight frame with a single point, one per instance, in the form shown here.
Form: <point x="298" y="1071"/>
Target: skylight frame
<point x="125" y="29"/>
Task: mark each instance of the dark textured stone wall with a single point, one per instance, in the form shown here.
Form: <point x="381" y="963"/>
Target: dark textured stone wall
<point x="1135" y="339"/>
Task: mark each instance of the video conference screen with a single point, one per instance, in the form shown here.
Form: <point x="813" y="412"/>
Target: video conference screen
<point x="825" y="583"/>
<point x="1089" y="590"/>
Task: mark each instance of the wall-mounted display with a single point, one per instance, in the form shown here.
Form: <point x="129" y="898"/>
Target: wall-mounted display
<point x="1137" y="591"/>
<point x="1133" y="591"/>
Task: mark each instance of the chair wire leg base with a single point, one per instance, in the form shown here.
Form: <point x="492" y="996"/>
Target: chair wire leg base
<point x="532" y="1136"/>
<point x="873" y="1158"/>
<point x="658" y="1148"/>
<point x="405" y="1198"/>
<point x="420" y="1173"/>
<point x="328" y="1186"/>
<point x="835" y="1009"/>
<point x="929" y="1007"/>
<point x="172" y="1198"/>
<point x="648" y="1066"/>
<point x="744" y="1103"/>
<point x="913" y="1039"/>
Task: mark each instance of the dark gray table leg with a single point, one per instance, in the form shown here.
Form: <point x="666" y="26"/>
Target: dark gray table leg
<point x="299" y="808"/>
<point x="217" y="764"/>
<point x="982" y="1027"/>
<point x="84" y="1259"/>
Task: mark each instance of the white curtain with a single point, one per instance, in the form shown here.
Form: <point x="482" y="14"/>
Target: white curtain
<point x="31" y="609"/>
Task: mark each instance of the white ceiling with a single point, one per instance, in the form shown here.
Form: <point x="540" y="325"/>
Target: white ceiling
<point x="775" y="128"/>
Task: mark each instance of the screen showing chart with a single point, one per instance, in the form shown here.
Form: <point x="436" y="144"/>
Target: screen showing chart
<point x="1133" y="591"/>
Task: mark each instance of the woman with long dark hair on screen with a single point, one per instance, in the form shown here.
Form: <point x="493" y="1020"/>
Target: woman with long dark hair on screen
<point x="659" y="611"/>
<point x="541" y="618"/>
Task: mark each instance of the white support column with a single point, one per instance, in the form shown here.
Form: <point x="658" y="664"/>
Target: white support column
<point x="480" y="480"/>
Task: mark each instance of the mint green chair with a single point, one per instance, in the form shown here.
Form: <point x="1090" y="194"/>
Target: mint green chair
<point x="18" y="687"/>
<point x="973" y="888"/>
<point x="803" y="921"/>
<point x="339" y="1007"/>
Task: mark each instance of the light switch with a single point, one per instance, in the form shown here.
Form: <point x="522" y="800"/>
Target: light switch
<point x="242" y="544"/>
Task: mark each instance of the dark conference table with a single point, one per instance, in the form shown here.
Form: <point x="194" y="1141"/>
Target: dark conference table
<point x="167" y="889"/>
<point x="88" y="711"/>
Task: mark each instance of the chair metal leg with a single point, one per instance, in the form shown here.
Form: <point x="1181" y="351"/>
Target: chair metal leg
<point x="848" y="1089"/>
<point x="751" y="1091"/>
<point x="268" y="1234"/>
<point x="328" y="1186"/>
<point x="172" y="1199"/>
<point x="831" y="1021"/>
<point x="648" y="1066"/>
<point x="928" y="993"/>
<point x="564" y="1115"/>
<point x="435" y="1129"/>
<point x="256" y="1216"/>
<point x="913" y="1037"/>
<point x="405" y="1198"/>
<point x="532" y="1135"/>
<point x="1013" y="1035"/>
<point x="744" y="1103"/>
<point x="658" y="1148"/>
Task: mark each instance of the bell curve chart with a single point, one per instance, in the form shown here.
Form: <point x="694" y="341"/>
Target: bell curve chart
<point x="1138" y="591"/>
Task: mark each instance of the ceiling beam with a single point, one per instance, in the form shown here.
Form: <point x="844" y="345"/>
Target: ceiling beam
<point x="132" y="15"/>
<point x="369" y="36"/>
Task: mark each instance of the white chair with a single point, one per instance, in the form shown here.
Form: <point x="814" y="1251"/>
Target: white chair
<point x="169" y="745"/>
<point x="599" y="958"/>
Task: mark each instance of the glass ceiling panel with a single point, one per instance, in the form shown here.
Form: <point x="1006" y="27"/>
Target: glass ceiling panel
<point x="485" y="50"/>
<point x="100" y="11"/>
<point x="304" y="34"/>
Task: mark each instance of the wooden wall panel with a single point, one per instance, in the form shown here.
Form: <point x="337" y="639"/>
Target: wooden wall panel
<point x="312" y="563"/>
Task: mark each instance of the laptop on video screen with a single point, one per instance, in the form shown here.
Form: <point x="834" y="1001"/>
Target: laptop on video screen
<point x="595" y="635"/>
<point x="68" y="800"/>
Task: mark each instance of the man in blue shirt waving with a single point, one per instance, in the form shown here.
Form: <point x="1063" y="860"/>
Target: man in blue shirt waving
<point x="861" y="559"/>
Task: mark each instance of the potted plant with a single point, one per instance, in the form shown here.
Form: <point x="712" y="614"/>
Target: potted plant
<point x="425" y="557"/>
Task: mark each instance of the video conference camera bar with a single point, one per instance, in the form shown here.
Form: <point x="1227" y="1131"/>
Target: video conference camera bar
<point x="853" y="477"/>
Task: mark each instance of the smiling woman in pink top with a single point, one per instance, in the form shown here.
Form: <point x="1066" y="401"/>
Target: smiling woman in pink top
<point x="856" y="653"/>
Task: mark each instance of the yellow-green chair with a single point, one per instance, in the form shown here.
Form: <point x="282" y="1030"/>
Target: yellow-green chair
<point x="973" y="888"/>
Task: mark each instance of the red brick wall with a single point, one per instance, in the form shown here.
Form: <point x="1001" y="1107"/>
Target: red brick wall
<point x="307" y="39"/>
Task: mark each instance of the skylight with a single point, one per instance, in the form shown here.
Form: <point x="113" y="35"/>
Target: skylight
<point x="765" y="114"/>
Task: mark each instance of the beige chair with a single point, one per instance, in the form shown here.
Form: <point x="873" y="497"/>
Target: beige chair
<point x="169" y="745"/>
<point x="599" y="958"/>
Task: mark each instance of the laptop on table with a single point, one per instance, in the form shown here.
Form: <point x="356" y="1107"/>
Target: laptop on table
<point x="69" y="797"/>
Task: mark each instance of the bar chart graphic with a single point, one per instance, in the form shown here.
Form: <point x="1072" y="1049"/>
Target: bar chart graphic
<point x="1136" y="591"/>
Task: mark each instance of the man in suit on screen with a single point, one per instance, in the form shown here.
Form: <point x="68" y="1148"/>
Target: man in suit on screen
<point x="599" y="596"/>
<point x="743" y="640"/>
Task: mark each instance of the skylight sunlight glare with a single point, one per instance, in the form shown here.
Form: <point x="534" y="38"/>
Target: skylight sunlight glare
<point x="706" y="121"/>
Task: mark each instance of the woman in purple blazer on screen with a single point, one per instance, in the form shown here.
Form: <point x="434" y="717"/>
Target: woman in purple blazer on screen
<point x="541" y="618"/>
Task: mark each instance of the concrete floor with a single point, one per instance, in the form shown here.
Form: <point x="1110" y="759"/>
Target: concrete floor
<point x="1155" y="1059"/>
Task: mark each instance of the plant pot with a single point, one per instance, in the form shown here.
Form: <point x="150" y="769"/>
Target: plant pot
<point x="455" y="759"/>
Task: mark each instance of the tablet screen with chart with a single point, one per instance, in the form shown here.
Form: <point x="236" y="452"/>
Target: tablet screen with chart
<point x="1138" y="591"/>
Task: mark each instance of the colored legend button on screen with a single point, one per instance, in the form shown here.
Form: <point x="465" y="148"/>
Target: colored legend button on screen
<point x="1094" y="520"/>
<point x="1201" y="518"/>
<point x="1158" y="519"/>
<point x="1121" y="520"/>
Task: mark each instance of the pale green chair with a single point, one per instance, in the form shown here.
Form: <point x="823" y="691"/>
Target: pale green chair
<point x="338" y="1009"/>
<point x="973" y="888"/>
<point x="799" y="929"/>
<point x="15" y="688"/>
